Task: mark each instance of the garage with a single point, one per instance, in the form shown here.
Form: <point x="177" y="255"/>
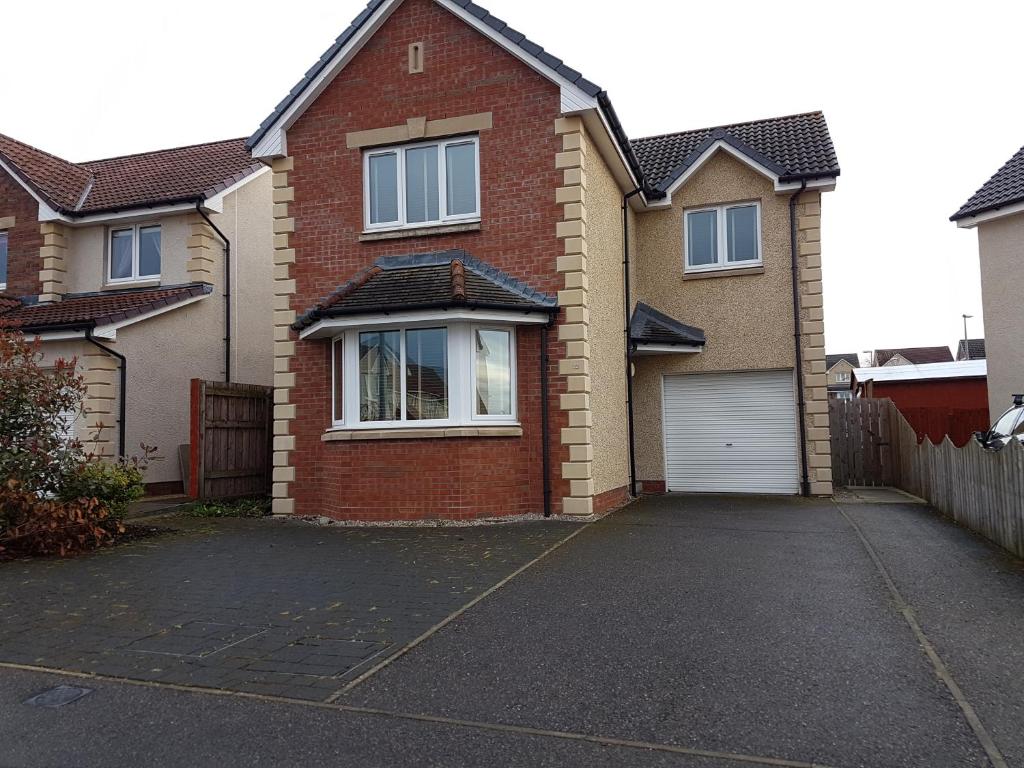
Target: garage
<point x="731" y="433"/>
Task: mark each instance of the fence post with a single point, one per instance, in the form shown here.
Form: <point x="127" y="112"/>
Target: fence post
<point x="197" y="430"/>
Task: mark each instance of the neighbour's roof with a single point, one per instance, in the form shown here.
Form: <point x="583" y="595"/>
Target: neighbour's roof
<point x="649" y="326"/>
<point x="916" y="355"/>
<point x="851" y="357"/>
<point x="90" y="310"/>
<point x="965" y="369"/>
<point x="437" y="280"/>
<point x="976" y="348"/>
<point x="143" y="180"/>
<point x="1004" y="188"/>
<point x="794" y="147"/>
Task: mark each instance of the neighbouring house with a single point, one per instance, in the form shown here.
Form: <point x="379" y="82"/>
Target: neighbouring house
<point x="970" y="349"/>
<point x="997" y="212"/>
<point x="937" y="399"/>
<point x="455" y="333"/>
<point x="911" y="356"/>
<point x="121" y="264"/>
<point x="838" y="372"/>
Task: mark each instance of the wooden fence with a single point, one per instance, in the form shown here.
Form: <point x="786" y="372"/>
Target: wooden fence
<point x="981" y="489"/>
<point x="231" y="438"/>
<point x="860" y="441"/>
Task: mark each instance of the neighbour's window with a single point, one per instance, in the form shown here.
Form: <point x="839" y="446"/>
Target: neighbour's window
<point x="422" y="184"/>
<point x="3" y="261"/>
<point x="423" y="376"/>
<point x="842" y="377"/>
<point x="134" y="253"/>
<point x="723" y="237"/>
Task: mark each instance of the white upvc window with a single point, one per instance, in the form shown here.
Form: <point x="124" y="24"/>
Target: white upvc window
<point x="134" y="253"/>
<point x="423" y="375"/>
<point x="3" y="261"/>
<point x="723" y="237"/>
<point x="421" y="185"/>
<point x="842" y="377"/>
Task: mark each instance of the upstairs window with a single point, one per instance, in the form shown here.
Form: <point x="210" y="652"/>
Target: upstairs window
<point x="422" y="184"/>
<point x="3" y="261"/>
<point x="134" y="253"/>
<point x="723" y="237"/>
<point x="842" y="377"/>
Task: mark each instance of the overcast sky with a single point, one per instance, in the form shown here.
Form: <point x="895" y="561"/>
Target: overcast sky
<point x="923" y="102"/>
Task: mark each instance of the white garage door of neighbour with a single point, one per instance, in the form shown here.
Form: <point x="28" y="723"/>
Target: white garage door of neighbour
<point x="731" y="433"/>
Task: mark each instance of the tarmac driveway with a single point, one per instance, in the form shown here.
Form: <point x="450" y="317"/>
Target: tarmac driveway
<point x="680" y="631"/>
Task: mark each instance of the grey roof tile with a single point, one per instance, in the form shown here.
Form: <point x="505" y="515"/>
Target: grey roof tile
<point x="649" y="326"/>
<point x="1004" y="188"/>
<point x="851" y="357"/>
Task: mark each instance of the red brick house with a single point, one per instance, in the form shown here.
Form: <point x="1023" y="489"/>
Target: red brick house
<point x="454" y="326"/>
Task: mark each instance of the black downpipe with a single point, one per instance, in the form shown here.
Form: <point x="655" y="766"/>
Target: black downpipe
<point x="122" y="406"/>
<point x="227" y="290"/>
<point x="628" y="344"/>
<point x="805" y="486"/>
<point x="545" y="426"/>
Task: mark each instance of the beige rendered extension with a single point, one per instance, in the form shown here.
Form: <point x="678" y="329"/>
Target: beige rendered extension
<point x="748" y="317"/>
<point x="1001" y="250"/>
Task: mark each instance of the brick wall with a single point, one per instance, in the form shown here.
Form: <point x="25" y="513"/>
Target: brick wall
<point x="23" y="241"/>
<point x="464" y="74"/>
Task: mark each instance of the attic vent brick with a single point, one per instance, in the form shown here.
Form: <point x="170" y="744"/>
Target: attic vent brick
<point x="415" y="58"/>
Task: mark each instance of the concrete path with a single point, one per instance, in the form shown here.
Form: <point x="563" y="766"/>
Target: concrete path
<point x="686" y="631"/>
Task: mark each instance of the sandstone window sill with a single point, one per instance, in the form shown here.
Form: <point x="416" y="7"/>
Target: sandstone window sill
<point x="440" y="229"/>
<point x="131" y="284"/>
<point x="433" y="433"/>
<point x="711" y="273"/>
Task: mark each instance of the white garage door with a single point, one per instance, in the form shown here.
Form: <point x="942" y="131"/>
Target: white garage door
<point x="731" y="433"/>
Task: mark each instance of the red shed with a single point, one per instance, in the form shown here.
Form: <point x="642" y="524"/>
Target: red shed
<point x="937" y="399"/>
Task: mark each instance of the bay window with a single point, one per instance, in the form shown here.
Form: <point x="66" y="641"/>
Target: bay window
<point x="723" y="237"/>
<point x="3" y="260"/>
<point x="422" y="184"/>
<point x="423" y="375"/>
<point x="134" y="253"/>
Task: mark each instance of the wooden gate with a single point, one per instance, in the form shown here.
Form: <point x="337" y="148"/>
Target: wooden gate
<point x="861" y="447"/>
<point x="231" y="436"/>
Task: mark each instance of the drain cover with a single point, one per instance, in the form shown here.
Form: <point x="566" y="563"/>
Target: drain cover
<point x="58" y="697"/>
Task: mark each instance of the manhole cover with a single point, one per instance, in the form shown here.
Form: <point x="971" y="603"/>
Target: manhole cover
<point x="58" y="697"/>
<point x="196" y="639"/>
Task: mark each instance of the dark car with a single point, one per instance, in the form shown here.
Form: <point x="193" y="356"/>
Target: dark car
<point x="1009" y="426"/>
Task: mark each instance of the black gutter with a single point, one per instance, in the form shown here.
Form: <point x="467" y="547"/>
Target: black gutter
<point x="805" y="486"/>
<point x="305" y="321"/>
<point x="628" y="341"/>
<point x="227" y="290"/>
<point x="122" y="395"/>
<point x="545" y="425"/>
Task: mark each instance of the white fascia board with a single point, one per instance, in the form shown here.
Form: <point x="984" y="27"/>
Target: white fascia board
<point x="274" y="142"/>
<point x="823" y="185"/>
<point x="972" y="221"/>
<point x="330" y="326"/>
<point x="666" y="349"/>
<point x="215" y="203"/>
<point x="58" y="336"/>
<point x="109" y="331"/>
<point x="132" y="214"/>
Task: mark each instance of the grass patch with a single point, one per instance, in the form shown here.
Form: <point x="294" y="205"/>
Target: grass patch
<point x="258" y="507"/>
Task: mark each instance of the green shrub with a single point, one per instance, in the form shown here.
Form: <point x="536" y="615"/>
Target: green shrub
<point x="258" y="507"/>
<point x="115" y="485"/>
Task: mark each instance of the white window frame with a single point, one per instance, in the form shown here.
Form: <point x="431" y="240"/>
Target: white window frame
<point x="461" y="377"/>
<point x="7" y="255"/>
<point x="842" y="377"/>
<point x="442" y="181"/>
<point x="135" y="277"/>
<point x="722" y="262"/>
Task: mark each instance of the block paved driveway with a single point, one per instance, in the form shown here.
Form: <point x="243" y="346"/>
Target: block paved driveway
<point x="682" y="631"/>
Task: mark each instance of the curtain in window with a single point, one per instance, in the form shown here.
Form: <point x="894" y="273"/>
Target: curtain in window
<point x="741" y="224"/>
<point x="149" y="251"/>
<point x="702" y="238"/>
<point x="338" y="350"/>
<point x="383" y="188"/>
<point x="460" y="165"/>
<point x="380" y="389"/>
<point x="493" y="373"/>
<point x="426" y="373"/>
<point x="421" y="186"/>
<point x="121" y="254"/>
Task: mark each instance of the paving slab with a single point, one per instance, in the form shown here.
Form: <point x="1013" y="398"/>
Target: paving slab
<point x="274" y="607"/>
<point x="754" y="626"/>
